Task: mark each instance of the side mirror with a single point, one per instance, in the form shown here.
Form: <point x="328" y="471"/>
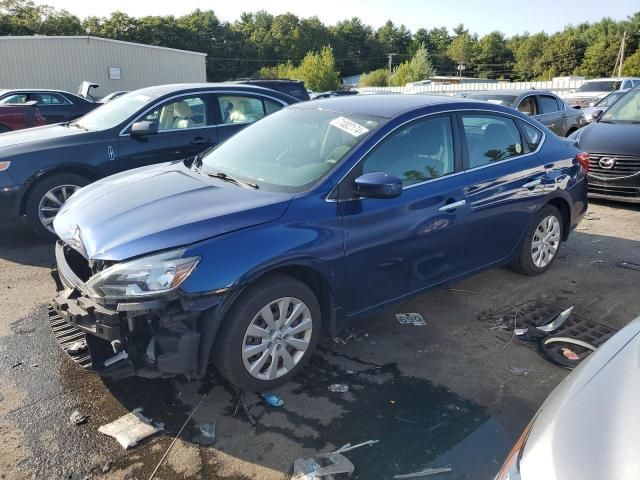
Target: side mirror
<point x="378" y="185"/>
<point x="141" y="129"/>
<point x="596" y="114"/>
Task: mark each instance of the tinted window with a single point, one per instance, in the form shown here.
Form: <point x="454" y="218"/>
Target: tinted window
<point x="625" y="110"/>
<point x="189" y="112"/>
<point x="50" y="99"/>
<point x="236" y="109"/>
<point x="490" y="138"/>
<point x="271" y="107"/>
<point x="15" y="98"/>
<point x="600" y="86"/>
<point x="532" y="135"/>
<point x="415" y="153"/>
<point x="548" y="104"/>
<point x="528" y="106"/>
<point x="497" y="99"/>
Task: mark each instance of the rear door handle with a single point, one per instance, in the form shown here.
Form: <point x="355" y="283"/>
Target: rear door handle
<point x="452" y="206"/>
<point x="532" y="184"/>
<point x="200" y="141"/>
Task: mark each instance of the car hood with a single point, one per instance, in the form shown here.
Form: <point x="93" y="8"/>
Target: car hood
<point x="588" y="427"/>
<point x="38" y="134"/>
<point x="159" y="207"/>
<point x="610" y="138"/>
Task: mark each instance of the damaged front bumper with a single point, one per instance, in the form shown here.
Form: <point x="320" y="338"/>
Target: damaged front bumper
<point x="166" y="335"/>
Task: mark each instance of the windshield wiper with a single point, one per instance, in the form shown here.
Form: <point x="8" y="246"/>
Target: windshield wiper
<point x="228" y="178"/>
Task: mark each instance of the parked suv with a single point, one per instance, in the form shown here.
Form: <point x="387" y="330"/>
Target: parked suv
<point x="547" y="108"/>
<point x="593" y="90"/>
<point x="320" y="213"/>
<point x="295" y="88"/>
<point x="40" y="169"/>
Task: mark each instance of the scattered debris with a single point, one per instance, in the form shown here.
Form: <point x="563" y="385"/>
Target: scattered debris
<point x="16" y="365"/>
<point x="242" y="404"/>
<point x="561" y="350"/>
<point x="77" y="418"/>
<point x="519" y="372"/>
<point x="320" y="466"/>
<point x="597" y="261"/>
<point x="411" y="319"/>
<point x="570" y="354"/>
<point x="155" y="470"/>
<point x="123" y="355"/>
<point x="423" y="473"/>
<point x="338" y="388"/>
<point x="106" y="467"/>
<point x="630" y="265"/>
<point x="207" y="434"/>
<point x="130" y="429"/>
<point x="273" y="399"/>
<point x="553" y="325"/>
<point x="77" y="347"/>
<point x="348" y="447"/>
<point x="34" y="365"/>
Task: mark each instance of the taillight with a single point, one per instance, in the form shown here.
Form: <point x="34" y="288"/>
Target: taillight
<point x="583" y="159"/>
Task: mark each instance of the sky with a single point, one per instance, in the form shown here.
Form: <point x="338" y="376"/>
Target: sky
<point x="479" y="16"/>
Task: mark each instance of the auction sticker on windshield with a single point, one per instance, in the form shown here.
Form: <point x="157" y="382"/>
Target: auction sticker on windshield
<point x="349" y="126"/>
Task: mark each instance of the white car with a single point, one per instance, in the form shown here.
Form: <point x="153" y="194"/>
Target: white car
<point x="593" y="90"/>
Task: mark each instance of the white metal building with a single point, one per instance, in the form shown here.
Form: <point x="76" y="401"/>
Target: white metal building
<point x="64" y="62"/>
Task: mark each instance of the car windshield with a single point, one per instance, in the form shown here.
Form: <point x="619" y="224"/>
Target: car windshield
<point x="609" y="99"/>
<point x="115" y="112"/>
<point x="290" y="150"/>
<point x="600" y="86"/>
<point x="497" y="99"/>
<point x="625" y="110"/>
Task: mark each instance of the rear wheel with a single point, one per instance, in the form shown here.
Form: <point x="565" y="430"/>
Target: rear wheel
<point x="539" y="248"/>
<point x="268" y="334"/>
<point x="46" y="199"/>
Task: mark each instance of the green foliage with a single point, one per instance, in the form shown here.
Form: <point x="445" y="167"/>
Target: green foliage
<point x="631" y="66"/>
<point x="418" y="68"/>
<point x="375" y="78"/>
<point x="462" y="49"/>
<point x="318" y="70"/>
<point x="492" y="56"/>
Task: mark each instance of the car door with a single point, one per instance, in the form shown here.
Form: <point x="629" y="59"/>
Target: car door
<point x="394" y="247"/>
<point x="54" y="107"/>
<point x="551" y="116"/>
<point x="186" y="127"/>
<point x="505" y="184"/>
<point x="237" y="110"/>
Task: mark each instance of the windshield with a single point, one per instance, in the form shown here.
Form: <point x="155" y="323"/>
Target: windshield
<point x="497" y="99"/>
<point x="114" y="112"/>
<point x="609" y="99"/>
<point x="289" y="151"/>
<point x="625" y="110"/>
<point x="600" y="86"/>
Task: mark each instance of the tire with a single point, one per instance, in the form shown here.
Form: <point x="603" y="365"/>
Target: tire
<point x="233" y="336"/>
<point x="534" y="262"/>
<point x="36" y="200"/>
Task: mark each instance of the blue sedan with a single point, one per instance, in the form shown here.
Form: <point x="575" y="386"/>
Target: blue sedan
<point x="317" y="214"/>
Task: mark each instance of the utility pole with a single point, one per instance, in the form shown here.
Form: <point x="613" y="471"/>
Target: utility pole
<point x="391" y="61"/>
<point x="620" y="57"/>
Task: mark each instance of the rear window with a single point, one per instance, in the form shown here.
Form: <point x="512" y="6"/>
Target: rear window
<point x="532" y="135"/>
<point x="600" y="86"/>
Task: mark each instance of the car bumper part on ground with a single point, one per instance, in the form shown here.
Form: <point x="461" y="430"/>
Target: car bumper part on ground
<point x="151" y="338"/>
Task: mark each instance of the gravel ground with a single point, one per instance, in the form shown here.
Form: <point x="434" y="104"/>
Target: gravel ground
<point x="439" y="395"/>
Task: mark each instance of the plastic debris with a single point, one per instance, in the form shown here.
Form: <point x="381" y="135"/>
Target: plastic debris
<point x="130" y="429"/>
<point x="320" y="466"/>
<point x="348" y="447"/>
<point x="77" y="347"/>
<point x="553" y="325"/>
<point x="423" y="473"/>
<point x="77" y="418"/>
<point x="16" y="364"/>
<point x="123" y="355"/>
<point x="207" y="434"/>
<point x="519" y="372"/>
<point x="411" y="319"/>
<point x="244" y="409"/>
<point x="338" y="388"/>
<point x="570" y="354"/>
<point x="106" y="467"/>
<point x="273" y="399"/>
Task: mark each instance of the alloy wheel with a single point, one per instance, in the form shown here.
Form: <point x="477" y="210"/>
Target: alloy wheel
<point x="277" y="338"/>
<point x="546" y="241"/>
<point x="52" y="202"/>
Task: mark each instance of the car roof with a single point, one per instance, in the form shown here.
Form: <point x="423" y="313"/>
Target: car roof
<point x="386" y="106"/>
<point x="611" y="79"/>
<point x="51" y="90"/>
<point x="513" y="92"/>
<point x="162" y="90"/>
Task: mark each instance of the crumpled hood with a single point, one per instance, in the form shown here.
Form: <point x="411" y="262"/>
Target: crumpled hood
<point x="159" y="207"/>
<point x="610" y="138"/>
<point x="588" y="427"/>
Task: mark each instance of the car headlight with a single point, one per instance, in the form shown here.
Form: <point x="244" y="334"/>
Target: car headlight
<point x="143" y="277"/>
<point x="511" y="467"/>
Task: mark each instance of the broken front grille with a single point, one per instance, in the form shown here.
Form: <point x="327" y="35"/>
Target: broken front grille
<point x="613" y="166"/>
<point x="72" y="340"/>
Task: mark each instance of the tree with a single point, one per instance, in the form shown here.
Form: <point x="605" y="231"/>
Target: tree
<point x="462" y="49"/>
<point x="418" y="68"/>
<point x="599" y="59"/>
<point x="355" y="47"/>
<point x="492" y="58"/>
<point x="528" y="56"/>
<point x="317" y="69"/>
<point x="631" y="66"/>
<point x="375" y="78"/>
<point x="562" y="54"/>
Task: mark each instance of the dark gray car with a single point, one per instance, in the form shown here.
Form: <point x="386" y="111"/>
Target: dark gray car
<point x="547" y="108"/>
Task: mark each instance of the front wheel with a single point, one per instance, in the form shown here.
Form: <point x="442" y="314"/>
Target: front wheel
<point x="268" y="334"/>
<point x="539" y="248"/>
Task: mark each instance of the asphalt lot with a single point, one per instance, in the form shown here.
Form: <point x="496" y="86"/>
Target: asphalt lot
<point x="438" y="395"/>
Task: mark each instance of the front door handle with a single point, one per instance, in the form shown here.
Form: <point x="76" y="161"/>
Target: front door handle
<point x="532" y="184"/>
<point x="200" y="141"/>
<point x="452" y="206"/>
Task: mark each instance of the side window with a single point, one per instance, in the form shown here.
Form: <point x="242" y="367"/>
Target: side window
<point x="50" y="99"/>
<point x="15" y="98"/>
<point x="626" y="84"/>
<point x="420" y="151"/>
<point x="271" y="107"/>
<point x="490" y="138"/>
<point x="236" y="109"/>
<point x="528" y="106"/>
<point x="189" y="112"/>
<point x="548" y="104"/>
<point x="532" y="135"/>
